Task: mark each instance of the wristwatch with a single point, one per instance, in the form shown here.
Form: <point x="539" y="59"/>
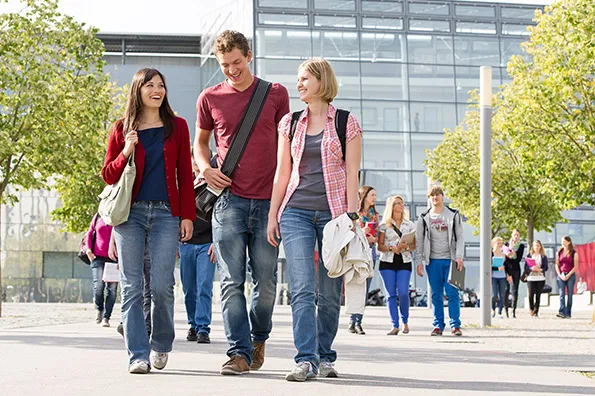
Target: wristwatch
<point x="353" y="215"/>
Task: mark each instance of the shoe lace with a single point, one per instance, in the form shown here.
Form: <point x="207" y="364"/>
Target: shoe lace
<point x="304" y="366"/>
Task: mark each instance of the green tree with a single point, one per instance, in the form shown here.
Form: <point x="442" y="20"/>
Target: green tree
<point x="517" y="199"/>
<point x="554" y="93"/>
<point x="54" y="98"/>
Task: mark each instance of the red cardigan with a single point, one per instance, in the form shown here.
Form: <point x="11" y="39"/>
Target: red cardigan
<point x="178" y="167"/>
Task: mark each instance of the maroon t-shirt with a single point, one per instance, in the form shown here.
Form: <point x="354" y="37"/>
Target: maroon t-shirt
<point x="221" y="108"/>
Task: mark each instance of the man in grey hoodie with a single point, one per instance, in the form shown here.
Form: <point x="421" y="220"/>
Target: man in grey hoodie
<point x="439" y="241"/>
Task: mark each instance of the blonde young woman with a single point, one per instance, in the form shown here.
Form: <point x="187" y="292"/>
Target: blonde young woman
<point x="313" y="185"/>
<point x="536" y="276"/>
<point x="396" y="260"/>
<point x="499" y="281"/>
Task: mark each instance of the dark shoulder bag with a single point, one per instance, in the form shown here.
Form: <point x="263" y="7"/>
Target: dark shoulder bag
<point x="206" y="196"/>
<point x="82" y="253"/>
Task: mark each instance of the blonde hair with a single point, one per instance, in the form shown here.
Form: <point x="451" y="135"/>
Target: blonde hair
<point x="324" y="73"/>
<point x="541" y="249"/>
<point x="387" y="217"/>
<point x="496" y="240"/>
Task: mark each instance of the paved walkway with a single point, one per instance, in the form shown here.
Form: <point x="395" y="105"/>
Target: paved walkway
<point x="57" y="349"/>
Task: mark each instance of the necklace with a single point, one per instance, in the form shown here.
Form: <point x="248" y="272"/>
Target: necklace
<point x="151" y="122"/>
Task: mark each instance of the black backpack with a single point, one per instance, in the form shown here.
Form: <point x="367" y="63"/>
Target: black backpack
<point x="341" y="119"/>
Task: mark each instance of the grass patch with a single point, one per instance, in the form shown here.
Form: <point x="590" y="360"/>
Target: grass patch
<point x="588" y="374"/>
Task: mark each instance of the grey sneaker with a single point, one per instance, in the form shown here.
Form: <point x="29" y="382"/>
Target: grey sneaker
<point x="139" y="367"/>
<point x="99" y="316"/>
<point x="327" y="370"/>
<point x="158" y="359"/>
<point x="105" y="322"/>
<point x="301" y="372"/>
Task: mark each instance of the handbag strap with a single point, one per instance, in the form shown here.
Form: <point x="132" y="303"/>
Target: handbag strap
<point x="240" y="139"/>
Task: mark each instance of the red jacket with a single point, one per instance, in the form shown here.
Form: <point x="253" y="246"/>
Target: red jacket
<point x="178" y="167"/>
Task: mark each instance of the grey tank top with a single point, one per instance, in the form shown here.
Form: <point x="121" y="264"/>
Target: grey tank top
<point x="310" y="194"/>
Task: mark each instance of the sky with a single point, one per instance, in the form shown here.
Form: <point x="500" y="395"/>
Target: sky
<point x="185" y="17"/>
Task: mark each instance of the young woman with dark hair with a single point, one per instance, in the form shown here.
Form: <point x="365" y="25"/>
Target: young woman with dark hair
<point x="162" y="211"/>
<point x="536" y="268"/>
<point x="566" y="266"/>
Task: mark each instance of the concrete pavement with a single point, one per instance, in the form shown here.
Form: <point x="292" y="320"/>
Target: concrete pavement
<point x="57" y="349"/>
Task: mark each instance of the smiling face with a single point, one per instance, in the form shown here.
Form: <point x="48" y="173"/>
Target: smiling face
<point x="308" y="86"/>
<point x="516" y="236"/>
<point x="398" y="208"/>
<point x="235" y="66"/>
<point x="371" y="198"/>
<point x="437" y="199"/>
<point x="153" y="92"/>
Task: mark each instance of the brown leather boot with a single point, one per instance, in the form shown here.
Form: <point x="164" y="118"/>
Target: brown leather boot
<point x="237" y="365"/>
<point x="258" y="356"/>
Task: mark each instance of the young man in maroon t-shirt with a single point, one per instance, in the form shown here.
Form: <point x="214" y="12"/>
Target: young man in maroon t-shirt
<point x="241" y="213"/>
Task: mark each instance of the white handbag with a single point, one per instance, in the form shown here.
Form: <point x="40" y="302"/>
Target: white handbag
<point x="114" y="207"/>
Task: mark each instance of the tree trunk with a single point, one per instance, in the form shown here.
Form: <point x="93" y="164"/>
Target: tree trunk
<point x="530" y="233"/>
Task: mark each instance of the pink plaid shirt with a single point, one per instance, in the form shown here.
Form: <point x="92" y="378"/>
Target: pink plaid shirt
<point x="333" y="166"/>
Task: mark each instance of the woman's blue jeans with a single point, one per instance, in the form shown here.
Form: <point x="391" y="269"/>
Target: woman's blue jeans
<point x="498" y="293"/>
<point x="99" y="285"/>
<point x="397" y="285"/>
<point x="149" y="221"/>
<point x="566" y="288"/>
<point x="313" y="330"/>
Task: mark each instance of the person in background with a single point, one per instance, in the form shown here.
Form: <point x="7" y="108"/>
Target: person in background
<point x="368" y="220"/>
<point x="536" y="277"/>
<point x="98" y="238"/>
<point x="162" y="211"/>
<point x="313" y="185"/>
<point x="566" y="266"/>
<point x="581" y="286"/>
<point x="514" y="252"/>
<point x="197" y="272"/>
<point x="499" y="281"/>
<point x="396" y="260"/>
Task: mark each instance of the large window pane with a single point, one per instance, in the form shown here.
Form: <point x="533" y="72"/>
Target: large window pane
<point x="335" y="5"/>
<point x="283" y="19"/>
<point x="347" y="74"/>
<point x="428" y="82"/>
<point x="422" y="25"/>
<point x="384" y="6"/>
<point x="420" y="187"/>
<point x="513" y="29"/>
<point x="383" y="47"/>
<point x="386" y="150"/>
<point x="388" y="183"/>
<point x="384" y="81"/>
<point x="281" y="42"/>
<point x="430" y="49"/>
<point x="385" y="116"/>
<point x="462" y="110"/>
<point x="382" y="23"/>
<point x="429" y="8"/>
<point x="283" y="71"/>
<point x="334" y="21"/>
<point x="283" y="3"/>
<point x="511" y="47"/>
<point x="336" y="45"/>
<point x="353" y="106"/>
<point x="432" y="117"/>
<point x="477" y="51"/>
<point x="475" y="11"/>
<point x="468" y="79"/>
<point x="476" y="27"/>
<point x="517" y="13"/>
<point x="419" y="144"/>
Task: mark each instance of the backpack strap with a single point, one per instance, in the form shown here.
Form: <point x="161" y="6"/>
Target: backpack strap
<point x="341" y="118"/>
<point x="295" y="117"/>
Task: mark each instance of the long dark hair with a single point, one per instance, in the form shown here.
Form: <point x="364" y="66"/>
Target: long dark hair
<point x="363" y="194"/>
<point x="570" y="245"/>
<point x="134" y="105"/>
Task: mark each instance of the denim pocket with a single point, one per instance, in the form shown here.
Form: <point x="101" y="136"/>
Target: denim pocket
<point x="223" y="201"/>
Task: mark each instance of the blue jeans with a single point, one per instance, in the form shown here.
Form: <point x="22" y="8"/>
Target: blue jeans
<point x="397" y="284"/>
<point x="499" y="286"/>
<point x="151" y="222"/>
<point x="197" y="272"/>
<point x="566" y="287"/>
<point x="240" y="225"/>
<point x="313" y="332"/>
<point x="99" y="285"/>
<point x="438" y="271"/>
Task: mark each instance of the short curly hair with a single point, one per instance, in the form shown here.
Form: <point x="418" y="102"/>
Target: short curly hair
<point x="230" y="39"/>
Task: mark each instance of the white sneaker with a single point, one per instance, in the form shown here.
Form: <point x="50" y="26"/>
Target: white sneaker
<point x="301" y="372"/>
<point x="139" y="367"/>
<point x="327" y="369"/>
<point x="158" y="359"/>
<point x="105" y="323"/>
<point x="500" y="316"/>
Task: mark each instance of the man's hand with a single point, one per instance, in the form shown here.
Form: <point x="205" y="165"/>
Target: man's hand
<point x="420" y="270"/>
<point x="459" y="264"/>
<point x="212" y="254"/>
<point x="216" y="179"/>
<point x="186" y="230"/>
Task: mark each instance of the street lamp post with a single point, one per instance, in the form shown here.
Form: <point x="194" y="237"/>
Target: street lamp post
<point x="485" y="155"/>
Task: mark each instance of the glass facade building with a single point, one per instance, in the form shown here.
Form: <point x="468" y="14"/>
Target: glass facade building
<point x="404" y="69"/>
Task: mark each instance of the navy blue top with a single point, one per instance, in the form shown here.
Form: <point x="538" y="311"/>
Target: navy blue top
<point x="153" y="186"/>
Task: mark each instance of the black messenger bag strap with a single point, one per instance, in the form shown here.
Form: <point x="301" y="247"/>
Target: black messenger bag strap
<point x="240" y="139"/>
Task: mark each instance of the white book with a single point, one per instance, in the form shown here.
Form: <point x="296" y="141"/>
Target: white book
<point x="111" y="273"/>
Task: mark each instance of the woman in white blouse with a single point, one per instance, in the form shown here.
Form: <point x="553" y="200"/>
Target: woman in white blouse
<point x="535" y="267"/>
<point x="396" y="259"/>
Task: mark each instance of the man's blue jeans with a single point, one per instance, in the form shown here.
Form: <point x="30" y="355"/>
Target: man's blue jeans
<point x="313" y="334"/>
<point x="397" y="284"/>
<point x="438" y="271"/>
<point x="99" y="285"/>
<point x="240" y="241"/>
<point x="151" y="222"/>
<point x="566" y="287"/>
<point x="196" y="273"/>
